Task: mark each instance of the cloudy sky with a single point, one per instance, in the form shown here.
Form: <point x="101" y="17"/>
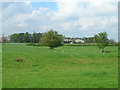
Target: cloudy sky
<point x="72" y="19"/>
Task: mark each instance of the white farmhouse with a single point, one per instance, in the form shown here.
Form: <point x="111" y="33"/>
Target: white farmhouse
<point x="79" y="41"/>
<point x="67" y="40"/>
<point x="73" y="40"/>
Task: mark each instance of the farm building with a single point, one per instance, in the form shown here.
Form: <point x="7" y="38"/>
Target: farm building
<point x="3" y="39"/>
<point x="79" y="41"/>
<point x="73" y="40"/>
<point x="67" y="40"/>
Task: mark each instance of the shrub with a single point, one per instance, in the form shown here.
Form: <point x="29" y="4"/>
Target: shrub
<point x="101" y="40"/>
<point x="31" y="44"/>
<point x="52" y="39"/>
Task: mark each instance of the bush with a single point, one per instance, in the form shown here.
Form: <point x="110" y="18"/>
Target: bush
<point x="36" y="44"/>
<point x="31" y="44"/>
<point x="52" y="39"/>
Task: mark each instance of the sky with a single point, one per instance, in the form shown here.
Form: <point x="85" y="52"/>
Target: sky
<point x="72" y="19"/>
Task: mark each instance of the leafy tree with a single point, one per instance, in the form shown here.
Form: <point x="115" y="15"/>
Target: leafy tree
<point x="36" y="37"/>
<point x="85" y="39"/>
<point x="27" y="37"/>
<point x="14" y="37"/>
<point x="52" y="39"/>
<point x="101" y="40"/>
<point x="21" y="37"/>
<point x="39" y="35"/>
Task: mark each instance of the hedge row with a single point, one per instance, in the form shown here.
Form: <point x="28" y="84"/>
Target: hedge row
<point x="85" y="44"/>
<point x="35" y="44"/>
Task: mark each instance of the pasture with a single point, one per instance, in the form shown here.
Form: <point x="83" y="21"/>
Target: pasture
<point x="0" y="66"/>
<point x="63" y="67"/>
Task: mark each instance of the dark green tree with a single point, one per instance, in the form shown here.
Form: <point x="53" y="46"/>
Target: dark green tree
<point x="52" y="39"/>
<point x="14" y="37"/>
<point x="21" y="38"/>
<point x="39" y="35"/>
<point x="36" y="37"/>
<point x="27" y="37"/>
<point x="101" y="40"/>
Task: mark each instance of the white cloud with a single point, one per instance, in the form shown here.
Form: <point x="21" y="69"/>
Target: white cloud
<point x="69" y="19"/>
<point x="28" y="2"/>
<point x="65" y="25"/>
<point x="73" y="9"/>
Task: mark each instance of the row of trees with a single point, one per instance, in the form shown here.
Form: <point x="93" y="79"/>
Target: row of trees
<point x="92" y="40"/>
<point x="53" y="39"/>
<point x="25" y="37"/>
<point x="88" y="39"/>
<point x="35" y="38"/>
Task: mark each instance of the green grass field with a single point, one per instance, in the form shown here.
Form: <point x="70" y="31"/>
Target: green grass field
<point x="63" y="67"/>
<point x="0" y="66"/>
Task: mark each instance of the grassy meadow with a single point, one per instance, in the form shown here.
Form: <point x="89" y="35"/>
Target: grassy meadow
<point x="63" y="67"/>
<point x="0" y="66"/>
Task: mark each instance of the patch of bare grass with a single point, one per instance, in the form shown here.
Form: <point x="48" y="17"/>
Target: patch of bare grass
<point x="20" y="59"/>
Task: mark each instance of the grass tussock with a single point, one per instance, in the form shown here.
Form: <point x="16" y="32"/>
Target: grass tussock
<point x="20" y="59"/>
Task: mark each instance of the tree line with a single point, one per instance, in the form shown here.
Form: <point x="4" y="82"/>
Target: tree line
<point x="53" y="39"/>
<point x="35" y="38"/>
<point x="25" y="37"/>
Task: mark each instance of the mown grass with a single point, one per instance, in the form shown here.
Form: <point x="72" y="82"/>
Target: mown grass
<point x="0" y="66"/>
<point x="63" y="67"/>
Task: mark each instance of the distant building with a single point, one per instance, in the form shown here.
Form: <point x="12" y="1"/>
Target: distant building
<point x="67" y="40"/>
<point x="3" y="39"/>
<point x="79" y="41"/>
<point x="73" y="40"/>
